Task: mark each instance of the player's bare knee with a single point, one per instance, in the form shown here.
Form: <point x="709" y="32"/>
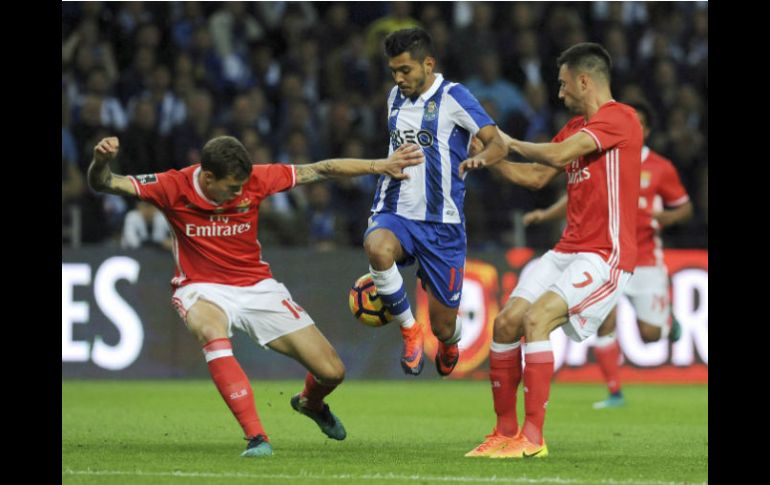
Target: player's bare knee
<point x="532" y="320"/>
<point x="507" y="327"/>
<point x="381" y="256"/>
<point x="332" y="374"/>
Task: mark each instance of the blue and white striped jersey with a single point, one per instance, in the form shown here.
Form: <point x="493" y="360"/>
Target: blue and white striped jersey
<point x="442" y="121"/>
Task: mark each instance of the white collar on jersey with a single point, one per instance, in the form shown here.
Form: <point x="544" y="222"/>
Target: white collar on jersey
<point x="198" y="186"/>
<point x="433" y="88"/>
<point x="645" y="153"/>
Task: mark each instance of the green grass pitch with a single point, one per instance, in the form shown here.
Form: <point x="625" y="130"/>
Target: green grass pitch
<point x="413" y="431"/>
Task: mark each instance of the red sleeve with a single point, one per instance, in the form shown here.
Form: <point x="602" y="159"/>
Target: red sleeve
<point x="609" y="127"/>
<point x="562" y="134"/>
<point x="155" y="188"/>
<point x="274" y="177"/>
<point x="671" y="189"/>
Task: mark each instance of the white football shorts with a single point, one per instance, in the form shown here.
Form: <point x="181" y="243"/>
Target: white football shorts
<point x="585" y="281"/>
<point x="264" y="311"/>
<point x="648" y="292"/>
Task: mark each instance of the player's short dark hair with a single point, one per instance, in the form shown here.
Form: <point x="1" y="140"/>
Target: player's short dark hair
<point x="644" y="107"/>
<point x="416" y="41"/>
<point x="226" y="156"/>
<point x="587" y="57"/>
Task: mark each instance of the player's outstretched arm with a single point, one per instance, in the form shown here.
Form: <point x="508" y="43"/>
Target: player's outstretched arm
<point x="557" y="210"/>
<point x="529" y="175"/>
<point x="670" y="217"/>
<point x="556" y="155"/>
<point x="100" y="177"/>
<point x="405" y="156"/>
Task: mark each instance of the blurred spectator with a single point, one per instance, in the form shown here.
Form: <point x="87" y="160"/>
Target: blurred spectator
<point x="272" y="13"/>
<point x="137" y="77"/>
<point x="526" y="64"/>
<point x="335" y="30"/>
<point x="112" y="113"/>
<point x="86" y="48"/>
<point x="189" y="137"/>
<point x="232" y="29"/>
<point x="188" y="16"/>
<point x="622" y="64"/>
<point x="143" y="149"/>
<point x="300" y="118"/>
<point x="353" y="73"/>
<point x="489" y="86"/>
<point x="398" y="18"/>
<point x="352" y="197"/>
<point x="145" y="226"/>
<point x="170" y="110"/>
<point x="325" y="231"/>
<point x="265" y="70"/>
<point x="477" y="38"/>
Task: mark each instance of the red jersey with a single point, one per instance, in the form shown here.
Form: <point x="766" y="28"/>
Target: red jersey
<point x="603" y="186"/>
<point x="660" y="186"/>
<point x="214" y="243"/>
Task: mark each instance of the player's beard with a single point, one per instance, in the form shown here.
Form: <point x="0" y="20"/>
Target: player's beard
<point x="419" y="83"/>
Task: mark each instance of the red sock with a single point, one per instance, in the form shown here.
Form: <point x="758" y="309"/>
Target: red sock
<point x="608" y="358"/>
<point x="504" y="375"/>
<point x="233" y="385"/>
<point x="537" y="386"/>
<point x="315" y="392"/>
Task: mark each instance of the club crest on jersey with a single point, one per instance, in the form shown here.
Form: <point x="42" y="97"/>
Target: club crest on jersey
<point x="430" y="111"/>
<point x="646" y="178"/>
<point x="149" y="178"/>
<point x="243" y="206"/>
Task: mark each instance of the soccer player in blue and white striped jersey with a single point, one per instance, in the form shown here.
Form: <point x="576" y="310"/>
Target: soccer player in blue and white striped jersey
<point x="421" y="218"/>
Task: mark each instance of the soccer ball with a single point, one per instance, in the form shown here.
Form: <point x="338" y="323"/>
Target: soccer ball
<point x="366" y="305"/>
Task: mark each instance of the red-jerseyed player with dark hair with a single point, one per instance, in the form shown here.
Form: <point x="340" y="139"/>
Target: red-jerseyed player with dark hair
<point x="222" y="283"/>
<point x="575" y="285"/>
<point x="648" y="288"/>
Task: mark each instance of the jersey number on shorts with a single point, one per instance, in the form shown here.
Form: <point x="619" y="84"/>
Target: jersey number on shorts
<point x="455" y="273"/>
<point x="293" y="307"/>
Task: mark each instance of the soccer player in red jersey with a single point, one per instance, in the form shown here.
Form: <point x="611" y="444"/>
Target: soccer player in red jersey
<point x="221" y="282"/>
<point x="648" y="288"/>
<point x="575" y="285"/>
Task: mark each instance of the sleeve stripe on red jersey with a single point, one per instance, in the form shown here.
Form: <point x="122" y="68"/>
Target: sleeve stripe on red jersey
<point x="681" y="200"/>
<point x="598" y="143"/>
<point x="136" y="185"/>
<point x="293" y="176"/>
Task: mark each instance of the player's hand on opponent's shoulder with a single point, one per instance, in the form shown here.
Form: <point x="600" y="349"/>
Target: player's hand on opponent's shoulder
<point x="106" y="149"/>
<point x="406" y="155"/>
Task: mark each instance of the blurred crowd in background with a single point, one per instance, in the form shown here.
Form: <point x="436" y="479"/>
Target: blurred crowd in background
<point x="297" y="82"/>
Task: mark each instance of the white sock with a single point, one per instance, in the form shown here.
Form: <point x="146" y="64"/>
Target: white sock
<point x="497" y="347"/>
<point x="387" y="282"/>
